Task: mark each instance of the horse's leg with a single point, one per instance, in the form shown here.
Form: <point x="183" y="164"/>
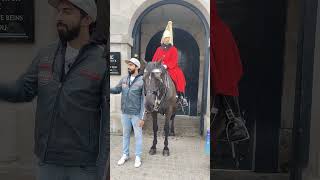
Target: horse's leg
<point x="153" y="149"/>
<point x="172" y="133"/>
<point x="166" y="132"/>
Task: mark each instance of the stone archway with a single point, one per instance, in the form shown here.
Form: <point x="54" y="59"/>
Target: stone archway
<point x="202" y="17"/>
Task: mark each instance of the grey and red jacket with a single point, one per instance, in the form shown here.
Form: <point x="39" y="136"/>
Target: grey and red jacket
<point x="68" y="126"/>
<point x="132" y="96"/>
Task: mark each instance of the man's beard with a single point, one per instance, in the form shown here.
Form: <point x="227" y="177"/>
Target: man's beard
<point x="131" y="71"/>
<point x="68" y="34"/>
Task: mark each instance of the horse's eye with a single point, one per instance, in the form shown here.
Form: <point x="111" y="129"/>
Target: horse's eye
<point x="157" y="74"/>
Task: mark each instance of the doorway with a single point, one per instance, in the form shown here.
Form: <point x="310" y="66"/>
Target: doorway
<point x="259" y="34"/>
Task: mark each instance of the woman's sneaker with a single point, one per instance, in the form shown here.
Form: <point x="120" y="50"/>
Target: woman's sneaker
<point x="123" y="159"/>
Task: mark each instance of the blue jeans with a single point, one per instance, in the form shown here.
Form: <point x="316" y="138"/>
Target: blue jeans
<point x="55" y="172"/>
<point x="129" y="121"/>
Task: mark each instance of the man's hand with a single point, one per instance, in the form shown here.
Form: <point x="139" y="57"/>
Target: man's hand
<point x="141" y="123"/>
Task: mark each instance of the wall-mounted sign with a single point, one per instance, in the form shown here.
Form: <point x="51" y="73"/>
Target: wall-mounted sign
<point x="115" y="63"/>
<point x="17" y="20"/>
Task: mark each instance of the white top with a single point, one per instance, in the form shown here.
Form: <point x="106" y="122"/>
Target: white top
<point x="132" y="79"/>
<point x="70" y="57"/>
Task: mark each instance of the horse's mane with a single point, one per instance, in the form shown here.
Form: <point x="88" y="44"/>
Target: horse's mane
<point x="156" y="65"/>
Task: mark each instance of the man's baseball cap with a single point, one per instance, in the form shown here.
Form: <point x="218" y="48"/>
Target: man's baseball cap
<point x="88" y="6"/>
<point x="134" y="61"/>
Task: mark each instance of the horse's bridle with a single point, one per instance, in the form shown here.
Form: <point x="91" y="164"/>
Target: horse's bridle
<point x="159" y="100"/>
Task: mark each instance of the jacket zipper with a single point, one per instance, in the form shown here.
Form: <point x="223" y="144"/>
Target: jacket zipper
<point x="130" y="85"/>
<point x="62" y="80"/>
<point x="51" y="121"/>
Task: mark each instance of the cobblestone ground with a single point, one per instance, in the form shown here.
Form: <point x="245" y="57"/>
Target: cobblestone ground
<point x="187" y="160"/>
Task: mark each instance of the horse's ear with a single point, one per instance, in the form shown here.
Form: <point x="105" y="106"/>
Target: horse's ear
<point x="144" y="64"/>
<point x="161" y="60"/>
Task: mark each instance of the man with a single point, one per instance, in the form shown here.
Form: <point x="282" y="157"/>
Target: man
<point x="68" y="77"/>
<point x="132" y="106"/>
<point x="168" y="54"/>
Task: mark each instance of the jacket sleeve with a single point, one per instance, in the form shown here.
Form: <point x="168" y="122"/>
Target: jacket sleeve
<point x="25" y="88"/>
<point x="117" y="89"/>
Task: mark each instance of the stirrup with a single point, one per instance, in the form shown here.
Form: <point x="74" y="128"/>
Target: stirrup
<point x="184" y="102"/>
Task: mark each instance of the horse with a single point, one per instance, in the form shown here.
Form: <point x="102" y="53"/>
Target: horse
<point x="160" y="97"/>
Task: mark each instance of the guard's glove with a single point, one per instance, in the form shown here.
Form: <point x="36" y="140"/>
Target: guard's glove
<point x="165" y="66"/>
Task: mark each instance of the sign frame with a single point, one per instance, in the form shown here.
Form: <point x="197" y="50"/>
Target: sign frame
<point x="116" y="64"/>
<point x="29" y="23"/>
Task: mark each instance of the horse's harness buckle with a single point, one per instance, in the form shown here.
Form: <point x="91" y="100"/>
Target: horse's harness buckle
<point x="157" y="102"/>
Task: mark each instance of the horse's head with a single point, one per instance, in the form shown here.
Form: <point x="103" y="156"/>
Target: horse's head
<point x="154" y="87"/>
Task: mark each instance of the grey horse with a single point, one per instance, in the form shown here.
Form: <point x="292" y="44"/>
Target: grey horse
<point x="160" y="97"/>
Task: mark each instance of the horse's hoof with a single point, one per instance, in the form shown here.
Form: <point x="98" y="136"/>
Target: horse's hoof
<point x="172" y="134"/>
<point x="153" y="151"/>
<point x="166" y="152"/>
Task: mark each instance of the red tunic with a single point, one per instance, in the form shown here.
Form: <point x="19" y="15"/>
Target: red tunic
<point x="170" y="59"/>
<point x="226" y="68"/>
